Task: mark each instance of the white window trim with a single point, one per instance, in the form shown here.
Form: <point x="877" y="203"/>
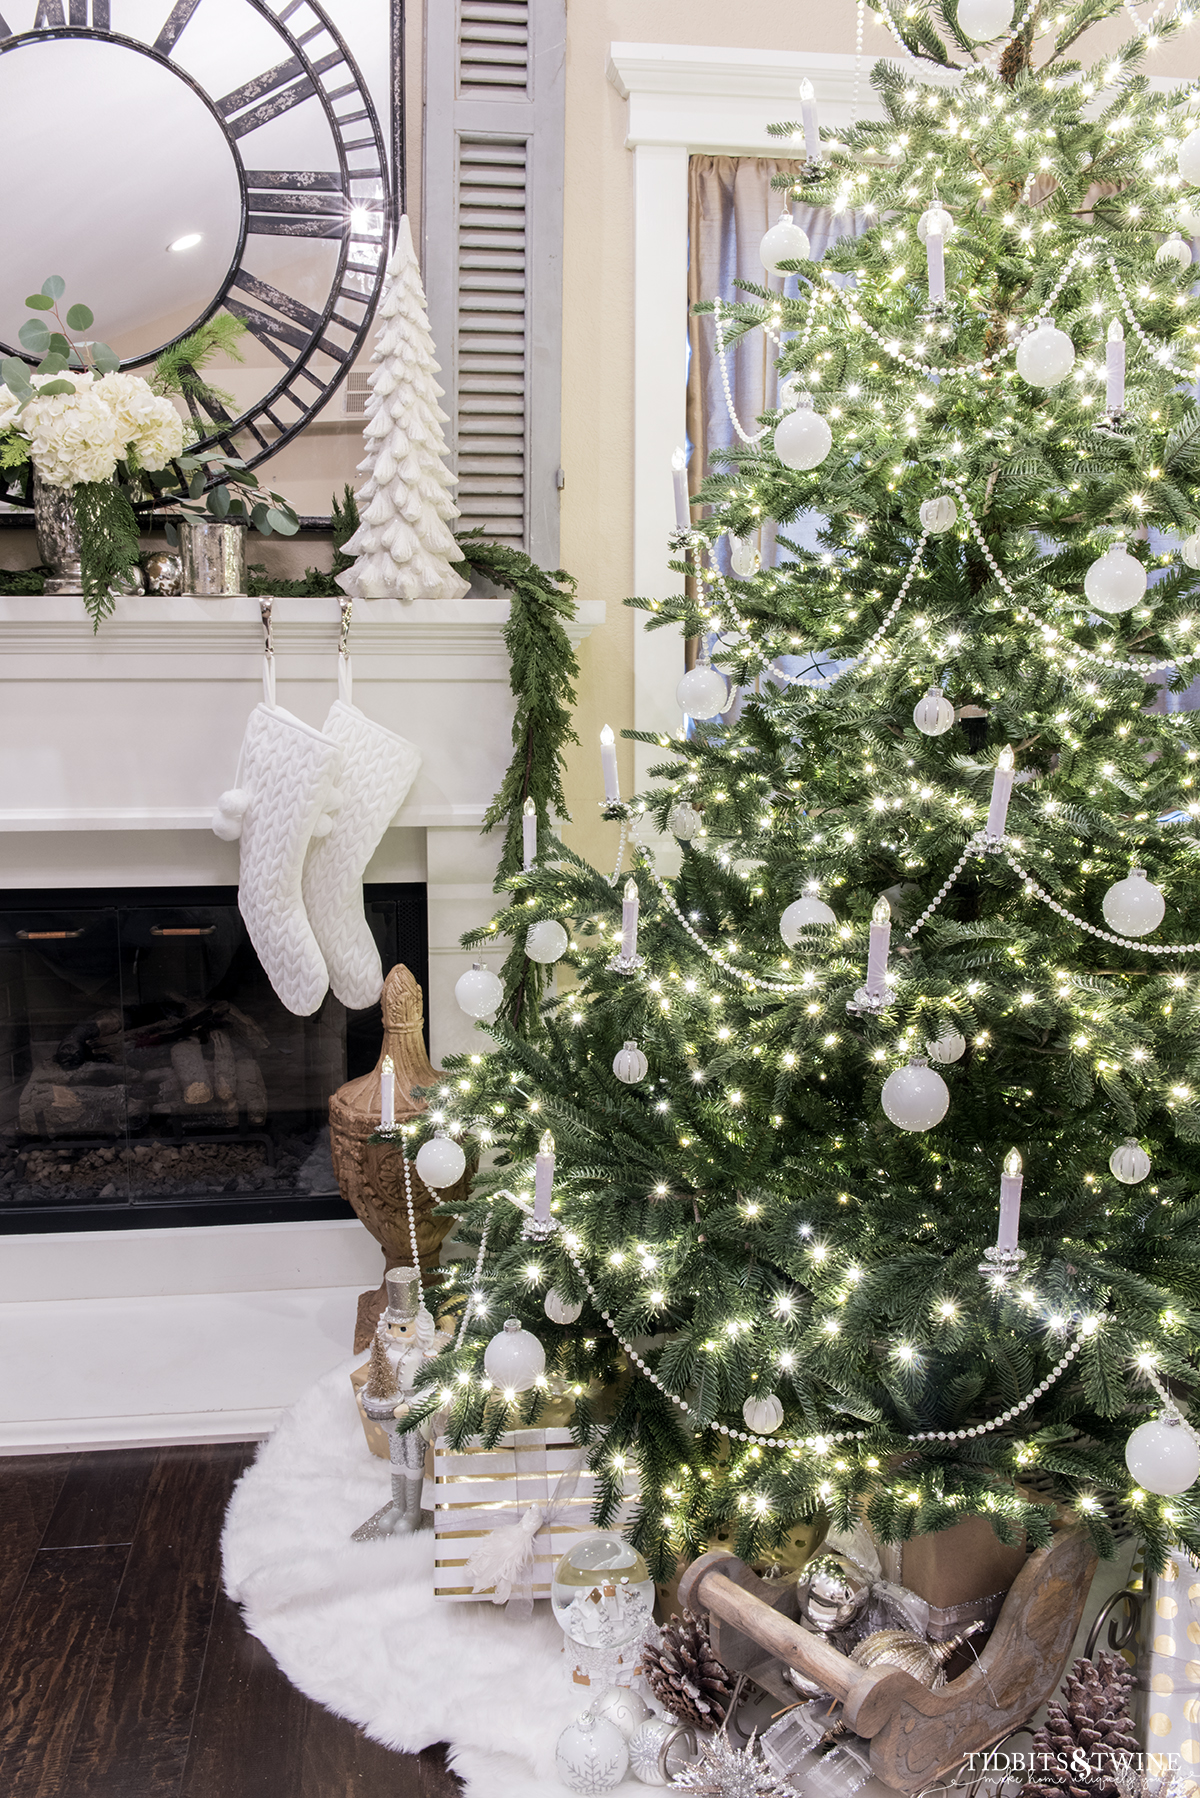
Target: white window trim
<point x="685" y="99"/>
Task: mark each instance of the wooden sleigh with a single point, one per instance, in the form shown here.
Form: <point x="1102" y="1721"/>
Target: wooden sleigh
<point x="916" y="1736"/>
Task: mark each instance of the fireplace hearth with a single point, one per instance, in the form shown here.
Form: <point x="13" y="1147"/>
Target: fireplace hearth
<point x="149" y="1075"/>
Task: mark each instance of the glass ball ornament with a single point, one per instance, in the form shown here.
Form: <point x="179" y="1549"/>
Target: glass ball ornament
<point x="1129" y="1162"/>
<point x="803" y="911"/>
<point x="938" y="515"/>
<point x="683" y="821"/>
<point x="546" y="941"/>
<point x="984" y="20"/>
<point x="1188" y="158"/>
<point x="784" y="242"/>
<point x="1045" y="357"/>
<point x="802" y="438"/>
<point x="1115" y="581"/>
<point x="743" y="556"/>
<point x="601" y="1593"/>
<point x="622" y="1707"/>
<point x="702" y="693"/>
<point x="659" y="1749"/>
<point x="1174" y="250"/>
<point x="513" y="1359"/>
<point x="933" y="714"/>
<point x="440" y="1162"/>
<point x="1187" y="217"/>
<point x="914" y="1097"/>
<point x="560" y="1310"/>
<point x="592" y="1755"/>
<point x="479" y="992"/>
<point x="763" y="1414"/>
<point x="629" y="1064"/>
<point x="951" y="1047"/>
<point x="936" y="210"/>
<point x="1134" y="906"/>
<point x="833" y="1591"/>
<point x="1189" y="550"/>
<point x="1163" y="1457"/>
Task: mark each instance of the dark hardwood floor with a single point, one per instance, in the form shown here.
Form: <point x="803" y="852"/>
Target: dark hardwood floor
<point x="125" y="1672"/>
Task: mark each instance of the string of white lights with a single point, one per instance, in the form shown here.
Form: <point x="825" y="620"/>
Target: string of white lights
<point x="820" y="1442"/>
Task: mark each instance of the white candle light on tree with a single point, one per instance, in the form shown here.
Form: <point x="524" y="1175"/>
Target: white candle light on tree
<point x="629" y="920"/>
<point x="1011" y="1182"/>
<point x="528" y="834"/>
<point x="683" y="501"/>
<point x="808" y="119"/>
<point x="1002" y="785"/>
<point x="608" y="763"/>
<point x="387" y="1094"/>
<point x="935" y="260"/>
<point x="1114" y="351"/>
<point x="543" y="1179"/>
<point x="877" y="953"/>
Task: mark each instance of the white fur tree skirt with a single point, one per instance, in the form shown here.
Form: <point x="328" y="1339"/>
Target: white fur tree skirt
<point x="355" y="1625"/>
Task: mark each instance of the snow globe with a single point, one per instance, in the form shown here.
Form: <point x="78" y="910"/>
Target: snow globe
<point x="602" y="1595"/>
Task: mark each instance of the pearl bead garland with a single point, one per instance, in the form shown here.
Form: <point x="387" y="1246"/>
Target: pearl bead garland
<point x="1105" y="936"/>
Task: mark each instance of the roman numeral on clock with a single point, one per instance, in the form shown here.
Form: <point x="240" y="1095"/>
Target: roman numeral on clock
<point x="50" y="14"/>
<point x="296" y="203"/>
<point x="273" y="92"/>
<point x="293" y="326"/>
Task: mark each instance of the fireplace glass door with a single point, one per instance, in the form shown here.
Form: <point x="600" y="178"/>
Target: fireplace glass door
<point x="149" y="1074"/>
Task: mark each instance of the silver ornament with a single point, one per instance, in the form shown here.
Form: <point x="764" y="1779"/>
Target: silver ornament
<point x="833" y="1591"/>
<point x="622" y="1707"/>
<point x="560" y="1310"/>
<point x="743" y="556"/>
<point x="1189" y="550"/>
<point x="938" y="515"/>
<point x="901" y="1648"/>
<point x="659" y="1749"/>
<point x="933" y="714"/>
<point x="163" y="573"/>
<point x="683" y="821"/>
<point x="1129" y="1162"/>
<point x="763" y="1414"/>
<point x="630" y="1065"/>
<point x="951" y="1047"/>
<point x="1174" y="250"/>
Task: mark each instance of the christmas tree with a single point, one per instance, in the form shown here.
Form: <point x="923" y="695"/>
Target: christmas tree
<point x="404" y="545"/>
<point x="789" y="1233"/>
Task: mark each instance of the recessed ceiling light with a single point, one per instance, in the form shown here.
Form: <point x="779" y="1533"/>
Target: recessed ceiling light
<point x="187" y="242"/>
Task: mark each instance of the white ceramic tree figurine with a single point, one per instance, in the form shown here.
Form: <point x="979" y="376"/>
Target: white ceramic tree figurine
<point x="404" y="544"/>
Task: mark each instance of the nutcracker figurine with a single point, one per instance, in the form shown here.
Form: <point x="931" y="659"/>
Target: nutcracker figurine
<point x="408" y="1338"/>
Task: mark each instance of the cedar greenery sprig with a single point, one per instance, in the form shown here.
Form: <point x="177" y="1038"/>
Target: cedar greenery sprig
<point x="543" y="670"/>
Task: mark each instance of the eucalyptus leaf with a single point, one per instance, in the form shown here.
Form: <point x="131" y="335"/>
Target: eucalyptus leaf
<point x="54" y="287"/>
<point x="39" y="302"/>
<point x="34" y="335"/>
<point x="52" y="363"/>
<point x="15" y="375"/>
<point x="196" y="485"/>
<point x="218" y="501"/>
<point x="106" y="360"/>
<point x="261" y="521"/>
<point x="171" y="533"/>
<point x="58" y="387"/>
<point x="285" y="523"/>
<point x="80" y="318"/>
<point x="59" y="345"/>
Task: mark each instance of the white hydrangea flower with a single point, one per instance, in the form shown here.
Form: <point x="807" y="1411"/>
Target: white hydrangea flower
<point x="81" y="436"/>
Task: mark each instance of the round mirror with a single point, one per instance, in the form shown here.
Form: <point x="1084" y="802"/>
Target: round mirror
<point x="129" y="190"/>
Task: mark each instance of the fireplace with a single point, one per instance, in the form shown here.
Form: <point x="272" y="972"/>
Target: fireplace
<point x="149" y="1074"/>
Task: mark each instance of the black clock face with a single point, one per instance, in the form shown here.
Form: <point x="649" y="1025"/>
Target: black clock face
<point x="170" y="160"/>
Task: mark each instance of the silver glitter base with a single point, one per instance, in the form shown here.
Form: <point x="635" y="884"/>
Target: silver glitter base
<point x="625" y="964"/>
<point x="1001" y="1264"/>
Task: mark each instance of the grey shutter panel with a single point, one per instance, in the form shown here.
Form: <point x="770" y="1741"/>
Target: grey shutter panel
<point x="493" y="256"/>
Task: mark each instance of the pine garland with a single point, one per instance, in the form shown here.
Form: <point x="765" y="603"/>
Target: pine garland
<point x="108" y="543"/>
<point x="543" y="672"/>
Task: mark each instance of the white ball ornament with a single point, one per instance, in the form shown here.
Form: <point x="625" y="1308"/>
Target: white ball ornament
<point x="784" y="242"/>
<point x="623" y="1707"/>
<point x="1163" y="1457"/>
<point x="630" y="1065"/>
<point x="546" y="941"/>
<point x="702" y="693"/>
<point x="683" y="821"/>
<point x="933" y="715"/>
<point x="1134" y="906"/>
<point x="1045" y="357"/>
<point x="936" y="210"/>
<point x="1129" y="1162"/>
<point x="914" y="1097"/>
<point x="1189" y="550"/>
<point x="659" y="1749"/>
<point x="513" y="1358"/>
<point x="951" y="1047"/>
<point x="1188" y="159"/>
<point x="802" y="438"/>
<point x="938" y="515"/>
<point x="560" y="1310"/>
<point x="744" y="558"/>
<point x="1174" y="250"/>
<point x="1187" y="216"/>
<point x="592" y="1755"/>
<point x="440" y="1162"/>
<point x="984" y="20"/>
<point x="479" y="992"/>
<point x="1115" y="581"/>
<point x="763" y="1415"/>
<point x="802" y="912"/>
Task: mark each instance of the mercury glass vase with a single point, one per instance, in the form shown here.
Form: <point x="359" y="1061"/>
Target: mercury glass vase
<point x="57" y="536"/>
<point x="214" y="557"/>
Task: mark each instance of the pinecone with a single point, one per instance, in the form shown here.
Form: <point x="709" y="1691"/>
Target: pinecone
<point x="685" y="1675"/>
<point x="1079" y="1748"/>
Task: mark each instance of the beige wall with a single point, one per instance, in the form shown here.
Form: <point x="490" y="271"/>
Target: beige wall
<point x="597" y="519"/>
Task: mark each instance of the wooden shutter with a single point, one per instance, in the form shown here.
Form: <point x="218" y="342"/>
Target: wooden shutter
<point x="493" y="256"/>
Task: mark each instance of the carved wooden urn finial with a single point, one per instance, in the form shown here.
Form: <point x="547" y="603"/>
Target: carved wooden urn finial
<point x="371" y="1175"/>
